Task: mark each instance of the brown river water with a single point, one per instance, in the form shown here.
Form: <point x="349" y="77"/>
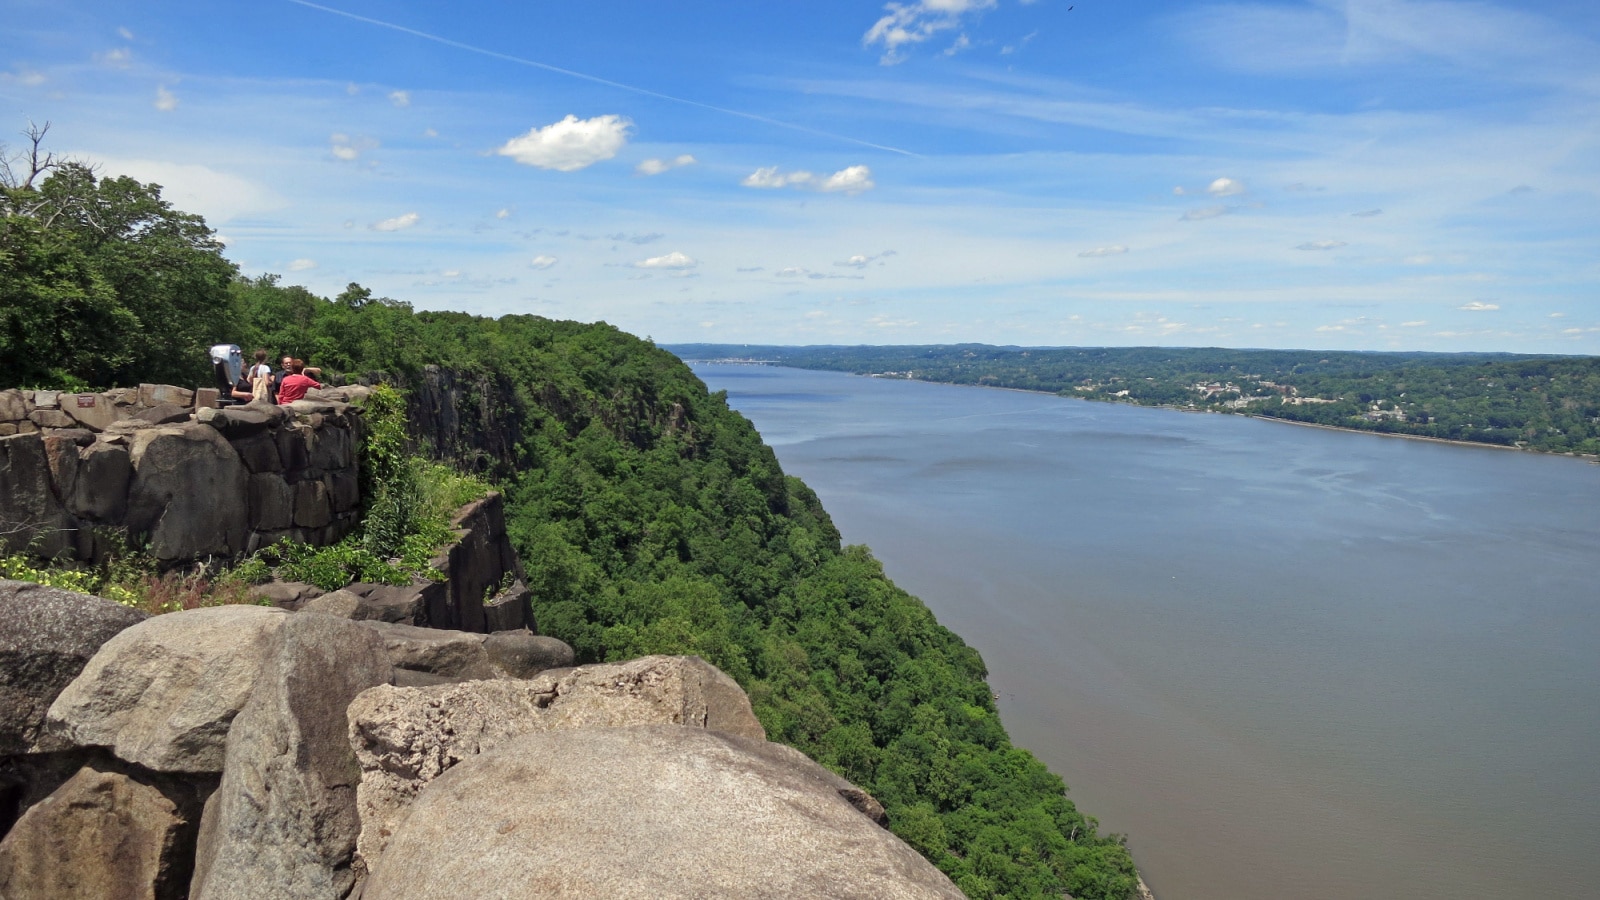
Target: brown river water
<point x="1286" y="662"/>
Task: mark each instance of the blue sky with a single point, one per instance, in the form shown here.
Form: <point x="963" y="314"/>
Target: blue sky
<point x="1360" y="174"/>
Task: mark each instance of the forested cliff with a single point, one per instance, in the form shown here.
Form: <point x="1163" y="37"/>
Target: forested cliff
<point x="650" y="517"/>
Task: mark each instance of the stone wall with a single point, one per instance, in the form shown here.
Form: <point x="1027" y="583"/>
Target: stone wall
<point x="163" y="466"/>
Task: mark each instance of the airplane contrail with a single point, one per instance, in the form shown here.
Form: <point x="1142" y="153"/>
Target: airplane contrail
<point x="506" y="57"/>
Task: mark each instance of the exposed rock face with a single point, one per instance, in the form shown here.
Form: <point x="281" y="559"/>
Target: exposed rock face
<point x="30" y="510"/>
<point x="283" y="823"/>
<point x="47" y="636"/>
<point x="658" y="811"/>
<point x="100" y="835"/>
<point x="406" y="737"/>
<point x="523" y="654"/>
<point x="164" y="692"/>
<point x="188" y="492"/>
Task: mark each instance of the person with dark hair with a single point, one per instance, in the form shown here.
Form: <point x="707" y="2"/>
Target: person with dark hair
<point x="294" y="385"/>
<point x="263" y="386"/>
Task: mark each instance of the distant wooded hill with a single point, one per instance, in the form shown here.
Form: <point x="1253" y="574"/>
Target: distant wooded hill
<point x="1549" y="403"/>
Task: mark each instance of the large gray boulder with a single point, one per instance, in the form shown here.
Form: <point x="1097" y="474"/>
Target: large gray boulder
<point x="283" y="823"/>
<point x="455" y="655"/>
<point x="31" y="514"/>
<point x="657" y="811"/>
<point x="102" y="835"/>
<point x="188" y="492"/>
<point x="404" y="738"/>
<point x="47" y="636"/>
<point x="164" y="692"/>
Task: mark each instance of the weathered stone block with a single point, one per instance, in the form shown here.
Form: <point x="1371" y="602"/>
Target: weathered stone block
<point x="163" y="693"/>
<point x="164" y="414"/>
<point x="157" y="394"/>
<point x="311" y="505"/>
<point x="30" y="512"/>
<point x="61" y="452"/>
<point x="13" y="408"/>
<point x="283" y="823"/>
<point x="259" y="452"/>
<point x="47" y="636"/>
<point x="51" y="418"/>
<point x="95" y="412"/>
<point x="46" y="399"/>
<point x="271" y="502"/>
<point x="104" y="474"/>
<point x="188" y="492"/>
<point x="292" y="447"/>
<point x="344" y="490"/>
<point x="102" y="834"/>
<point x="331" y="449"/>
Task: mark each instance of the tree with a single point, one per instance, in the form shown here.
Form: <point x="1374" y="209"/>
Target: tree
<point x="102" y="281"/>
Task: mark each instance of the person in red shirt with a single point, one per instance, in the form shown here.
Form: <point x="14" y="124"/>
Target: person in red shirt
<point x="294" y="385"/>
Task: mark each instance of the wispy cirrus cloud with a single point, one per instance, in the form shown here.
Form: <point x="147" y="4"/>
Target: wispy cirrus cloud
<point x="398" y="223"/>
<point x="905" y="24"/>
<point x="1114" y="250"/>
<point x="674" y="260"/>
<point x="850" y="180"/>
<point x="657" y="166"/>
<point x="1320" y="245"/>
<point x="1479" y="306"/>
<point x="570" y="144"/>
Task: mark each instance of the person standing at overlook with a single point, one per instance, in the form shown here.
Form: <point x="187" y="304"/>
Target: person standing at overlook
<point x="294" y="385"/>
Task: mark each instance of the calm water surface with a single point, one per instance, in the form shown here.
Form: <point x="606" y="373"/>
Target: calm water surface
<point x="1288" y="662"/>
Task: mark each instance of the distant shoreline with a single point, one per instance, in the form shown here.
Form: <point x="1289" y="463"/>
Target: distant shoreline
<point x="1588" y="458"/>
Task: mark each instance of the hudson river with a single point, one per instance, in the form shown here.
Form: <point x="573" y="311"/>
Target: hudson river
<point x="1287" y="662"/>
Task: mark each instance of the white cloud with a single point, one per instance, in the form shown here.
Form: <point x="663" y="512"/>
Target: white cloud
<point x="350" y="148"/>
<point x="962" y="42"/>
<point x="503" y="213"/>
<point x="401" y="99"/>
<point x="570" y="144"/>
<point x="430" y="132"/>
<point x="793" y="272"/>
<point x="1115" y="250"/>
<point x="398" y="223"/>
<point x="657" y="166"/>
<point x="119" y="58"/>
<point x="125" y="34"/>
<point x="543" y="262"/>
<point x="1367" y="213"/>
<point x="166" y="101"/>
<point x="1320" y="245"/>
<point x="1209" y="212"/>
<point x="1558" y="315"/>
<point x="1479" y="306"/>
<point x="1225" y="187"/>
<point x="301" y="265"/>
<point x="1179" y="191"/>
<point x="1417" y="324"/>
<point x="1420" y="259"/>
<point x="770" y="177"/>
<point x="851" y="180"/>
<point x="673" y="260"/>
<point x="24" y="75"/>
<point x="913" y="23"/>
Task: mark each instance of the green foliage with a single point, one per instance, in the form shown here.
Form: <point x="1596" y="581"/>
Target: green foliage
<point x="102" y="282"/>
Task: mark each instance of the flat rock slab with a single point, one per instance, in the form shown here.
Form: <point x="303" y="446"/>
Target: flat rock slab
<point x="655" y="811"/>
<point x="404" y="738"/>
<point x="282" y="825"/>
<point x="163" y="693"/>
<point x="47" y="636"/>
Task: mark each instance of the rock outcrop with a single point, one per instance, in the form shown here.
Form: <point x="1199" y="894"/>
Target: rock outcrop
<point x="283" y="823"/>
<point x="47" y="636"/>
<point x="163" y="693"/>
<point x="654" y="811"/>
<point x="405" y="737"/>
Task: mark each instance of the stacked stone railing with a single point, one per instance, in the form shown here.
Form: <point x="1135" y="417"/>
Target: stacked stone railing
<point x="162" y="466"/>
